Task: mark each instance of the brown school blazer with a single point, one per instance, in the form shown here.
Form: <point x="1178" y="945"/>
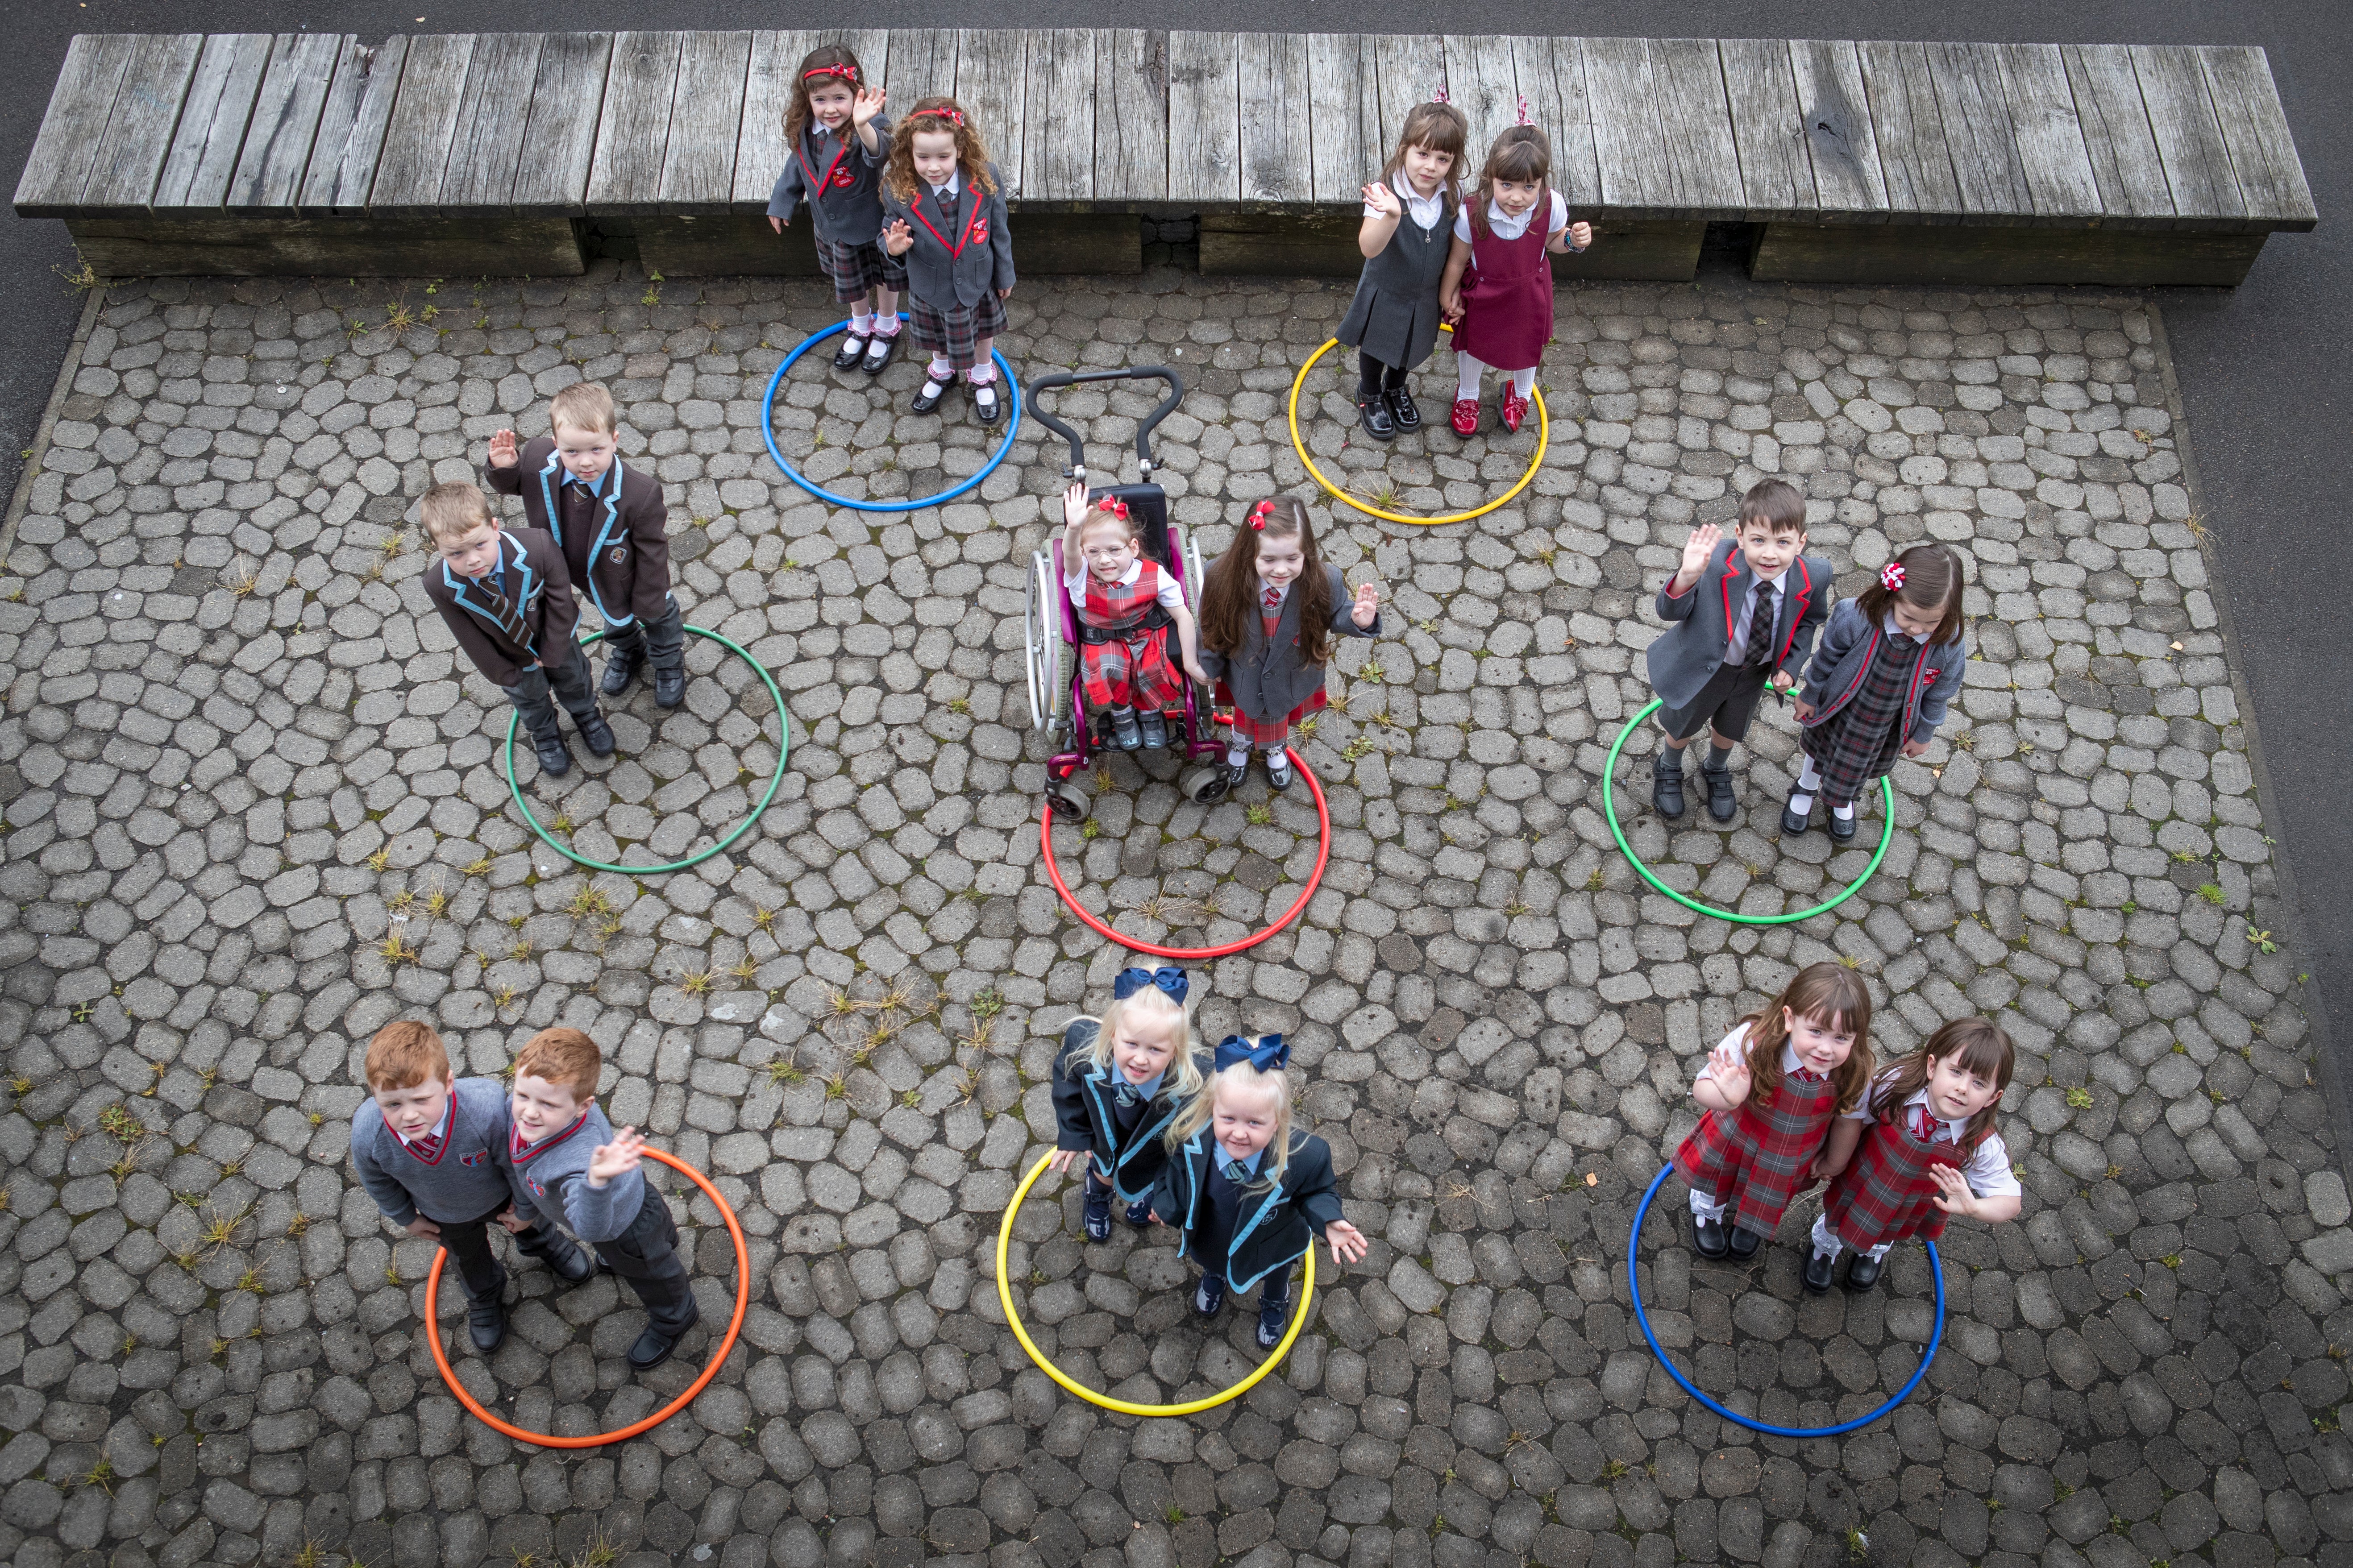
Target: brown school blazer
<point x="620" y="562"/>
<point x="535" y="574"/>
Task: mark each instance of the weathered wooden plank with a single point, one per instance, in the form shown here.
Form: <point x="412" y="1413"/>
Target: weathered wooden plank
<point x="1278" y="149"/>
<point x="407" y="245"/>
<point x="1130" y="115"/>
<point x="566" y="98"/>
<point x="351" y="127"/>
<point x="2254" y="128"/>
<point x="286" y="115"/>
<point x="706" y="119"/>
<point x="138" y="136"/>
<point x="922" y="65"/>
<point x="1776" y="173"/>
<point x="57" y="172"/>
<point x="1204" y="113"/>
<point x="1909" y="130"/>
<point x="1977" y="134"/>
<point x="1409" y="68"/>
<point x="424" y="122"/>
<point x="487" y="142"/>
<point x="2124" y="162"/>
<point x="1344" y="117"/>
<point x="1696" y="125"/>
<point x="633" y="130"/>
<point x="1628" y="144"/>
<point x="990" y="83"/>
<point x="1481" y="83"/>
<point x="1058" y="154"/>
<point x="2050" y="149"/>
<point x="1915" y="252"/>
<point x="212" y="121"/>
<point x="1834" y="111"/>
<point x="2189" y="138"/>
<point x="1551" y="73"/>
<point x="770" y="78"/>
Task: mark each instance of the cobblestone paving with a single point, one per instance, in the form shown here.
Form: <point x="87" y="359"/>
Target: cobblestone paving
<point x="252" y="812"/>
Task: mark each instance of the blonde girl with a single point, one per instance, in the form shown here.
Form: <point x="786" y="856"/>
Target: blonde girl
<point x="1120" y="1082"/>
<point x="836" y="140"/>
<point x="1392" y="323"/>
<point x="1247" y="1189"/>
<point x="943" y="214"/>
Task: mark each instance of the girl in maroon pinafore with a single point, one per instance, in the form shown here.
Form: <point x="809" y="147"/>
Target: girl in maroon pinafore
<point x="1503" y="240"/>
<point x="1773" y="1089"/>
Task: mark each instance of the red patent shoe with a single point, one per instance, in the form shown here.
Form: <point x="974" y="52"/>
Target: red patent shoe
<point x="1515" y="411"/>
<point x="1466" y="416"/>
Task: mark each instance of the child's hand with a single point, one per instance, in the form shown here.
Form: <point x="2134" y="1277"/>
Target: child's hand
<point x="1074" y="504"/>
<point x="1784" y="681"/>
<point x="1729" y="1069"/>
<point x="420" y="1225"/>
<point x="1064" y="1160"/>
<point x="1384" y="200"/>
<point x="1367" y="607"/>
<point x="1804" y="710"/>
<point x="503" y="449"/>
<point x="778" y="224"/>
<point x="1824" y="1168"/>
<point x="1348" y="1243"/>
<point x="617" y="1157"/>
<point x="1914" y="748"/>
<point x="866" y="106"/>
<point x="1953" y="1195"/>
<point x="1697" y="549"/>
<point x="898" y="238"/>
<point x="516" y="1225"/>
<point x="1450" y="308"/>
<point x="1193" y="668"/>
<point x="1005" y="294"/>
<point x="1580" y="234"/>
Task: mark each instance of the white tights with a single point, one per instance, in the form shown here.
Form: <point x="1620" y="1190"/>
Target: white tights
<point x="1468" y="369"/>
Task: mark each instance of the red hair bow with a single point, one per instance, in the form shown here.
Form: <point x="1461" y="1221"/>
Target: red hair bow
<point x="847" y="73"/>
<point x="1890" y="576"/>
<point x="1114" y="506"/>
<point x="1260" y="513"/>
<point x="952" y="116"/>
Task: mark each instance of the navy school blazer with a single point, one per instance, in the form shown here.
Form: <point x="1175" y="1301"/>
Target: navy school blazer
<point x="1275" y="1228"/>
<point x="1082" y="1115"/>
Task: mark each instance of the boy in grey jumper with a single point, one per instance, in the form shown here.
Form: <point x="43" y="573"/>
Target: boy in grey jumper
<point x="568" y="1167"/>
<point x="430" y="1150"/>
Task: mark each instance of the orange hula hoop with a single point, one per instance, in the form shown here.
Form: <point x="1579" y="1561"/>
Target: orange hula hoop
<point x="646" y="1423"/>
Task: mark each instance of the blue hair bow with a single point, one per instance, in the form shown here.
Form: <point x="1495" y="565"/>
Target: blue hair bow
<point x="1131" y="981"/>
<point x="1267" y="1053"/>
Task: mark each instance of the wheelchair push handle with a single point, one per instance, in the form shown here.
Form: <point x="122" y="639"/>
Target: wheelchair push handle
<point x="1078" y="469"/>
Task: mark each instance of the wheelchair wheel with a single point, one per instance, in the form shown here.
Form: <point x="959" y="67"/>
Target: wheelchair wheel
<point x="1046" y="663"/>
<point x="1204" y="787"/>
<point x="1066" y="802"/>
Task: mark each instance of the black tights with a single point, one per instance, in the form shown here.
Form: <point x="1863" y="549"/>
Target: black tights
<point x="1373" y="376"/>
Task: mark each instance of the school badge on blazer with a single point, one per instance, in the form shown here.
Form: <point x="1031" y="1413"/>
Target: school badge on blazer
<point x="478" y="1159"/>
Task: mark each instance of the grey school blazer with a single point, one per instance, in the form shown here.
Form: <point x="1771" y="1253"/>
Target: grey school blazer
<point x="1269" y="678"/>
<point x="1699" y="630"/>
<point x="962" y="251"/>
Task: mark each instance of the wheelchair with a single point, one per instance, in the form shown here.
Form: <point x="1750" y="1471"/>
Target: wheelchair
<point x="1051" y="629"/>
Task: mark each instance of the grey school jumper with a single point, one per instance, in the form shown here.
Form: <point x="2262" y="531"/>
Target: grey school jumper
<point x="1394" y="317"/>
<point x="467" y="1180"/>
<point x="551" y="1181"/>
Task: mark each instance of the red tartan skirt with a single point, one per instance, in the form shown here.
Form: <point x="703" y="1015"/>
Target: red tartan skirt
<point x="1757" y="1159"/>
<point x="1885" y="1192"/>
<point x="1267" y="733"/>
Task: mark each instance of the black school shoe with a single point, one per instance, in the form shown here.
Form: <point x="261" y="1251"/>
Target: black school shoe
<point x="654" y="1347"/>
<point x="1707" y="1237"/>
<point x="620" y="669"/>
<point x="573" y="1266"/>
<point x="1154" y="726"/>
<point x="1842" y="828"/>
<point x="1722" y="803"/>
<point x="1373" y="414"/>
<point x="1864" y="1273"/>
<point x="880" y="351"/>
<point x="1209" y="1294"/>
<point x="1819" y="1268"/>
<point x="1667" y="789"/>
<point x="1404" y="412"/>
<point x="852" y="349"/>
<point x="1098" y="1213"/>
<point x="1272" y="1318"/>
<point x="988" y="401"/>
<point x="928" y="395"/>
<point x="669" y="687"/>
<point x="1278" y="770"/>
<point x="555" y="757"/>
<point x="596" y="734"/>
<point x="1742" y="1243"/>
<point x="1793" y="826"/>
<point x="1139" y="1214"/>
<point x="486" y="1323"/>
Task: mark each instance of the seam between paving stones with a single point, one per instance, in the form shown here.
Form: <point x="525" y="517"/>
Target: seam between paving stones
<point x="65" y="373"/>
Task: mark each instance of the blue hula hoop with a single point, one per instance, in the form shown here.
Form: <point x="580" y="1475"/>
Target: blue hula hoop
<point x="768" y="432"/>
<point x="1936" y="1337"/>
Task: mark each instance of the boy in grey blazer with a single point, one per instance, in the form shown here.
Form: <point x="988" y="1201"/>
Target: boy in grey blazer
<point x="1742" y="613"/>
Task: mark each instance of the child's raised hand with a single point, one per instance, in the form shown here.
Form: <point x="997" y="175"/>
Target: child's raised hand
<point x="503" y="449"/>
<point x="866" y="106"/>
<point x="1580" y="234"/>
<point x="1953" y="1195"/>
<point x="1730" y="1071"/>
<point x="898" y="238"/>
<point x="1698" y="548"/>
<point x="1367" y="607"/>
<point x="1074" y="503"/>
<point x="1383" y="200"/>
<point x="1348" y="1243"/>
<point x="617" y="1157"/>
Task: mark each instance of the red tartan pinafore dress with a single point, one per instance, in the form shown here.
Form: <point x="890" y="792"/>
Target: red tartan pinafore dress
<point x="1756" y="1159"/>
<point x="1507" y="297"/>
<point x="1133" y="667"/>
<point x="1885" y="1194"/>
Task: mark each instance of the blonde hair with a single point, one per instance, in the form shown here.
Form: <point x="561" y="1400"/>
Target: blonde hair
<point x="454" y="508"/>
<point x="403" y="1054"/>
<point x="584" y="405"/>
<point x="1184" y="1080"/>
<point x="1247" y="1079"/>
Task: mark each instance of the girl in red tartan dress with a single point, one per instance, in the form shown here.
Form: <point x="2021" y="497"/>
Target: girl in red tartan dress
<point x="1928" y="1149"/>
<point x="1268" y="615"/>
<point x="1773" y="1087"/>
<point x="1124" y="603"/>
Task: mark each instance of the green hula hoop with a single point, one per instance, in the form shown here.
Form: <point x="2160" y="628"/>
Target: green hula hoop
<point x="784" y="746"/>
<point x="1886" y="836"/>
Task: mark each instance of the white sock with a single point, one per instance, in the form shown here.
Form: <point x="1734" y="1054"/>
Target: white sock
<point x="1826" y="1240"/>
<point x="1704" y="1207"/>
<point x="861" y="322"/>
<point x="1467" y="370"/>
<point x="1808" y="780"/>
<point x="1524" y="382"/>
<point x="937" y="375"/>
<point x="1237" y="754"/>
<point x="887" y="325"/>
<point x="1843" y="813"/>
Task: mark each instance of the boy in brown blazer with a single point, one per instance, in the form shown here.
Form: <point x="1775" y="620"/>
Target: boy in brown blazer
<point x="609" y="521"/>
<point x="508" y="599"/>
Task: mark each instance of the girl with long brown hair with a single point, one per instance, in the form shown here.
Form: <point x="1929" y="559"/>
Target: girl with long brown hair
<point x="943" y="213"/>
<point x="1773" y="1089"/>
<point x="835" y="139"/>
<point x="1268" y="611"/>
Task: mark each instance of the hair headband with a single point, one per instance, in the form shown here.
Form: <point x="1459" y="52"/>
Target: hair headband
<point x="1890" y="576"/>
<point x="848" y="73"/>
<point x="1267" y="1053"/>
<point x="1171" y="982"/>
<point x="952" y="116"/>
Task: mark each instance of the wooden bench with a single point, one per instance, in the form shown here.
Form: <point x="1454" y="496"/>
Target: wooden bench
<point x="531" y="153"/>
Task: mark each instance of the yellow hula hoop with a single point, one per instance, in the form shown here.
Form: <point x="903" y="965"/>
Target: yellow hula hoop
<point x="1190" y="1406"/>
<point x="1543" y="441"/>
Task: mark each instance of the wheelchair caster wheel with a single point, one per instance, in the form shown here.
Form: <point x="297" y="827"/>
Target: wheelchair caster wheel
<point x="1204" y="787"/>
<point x="1067" y="803"/>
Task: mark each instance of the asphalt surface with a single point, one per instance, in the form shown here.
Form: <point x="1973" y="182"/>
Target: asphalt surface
<point x="2260" y="367"/>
